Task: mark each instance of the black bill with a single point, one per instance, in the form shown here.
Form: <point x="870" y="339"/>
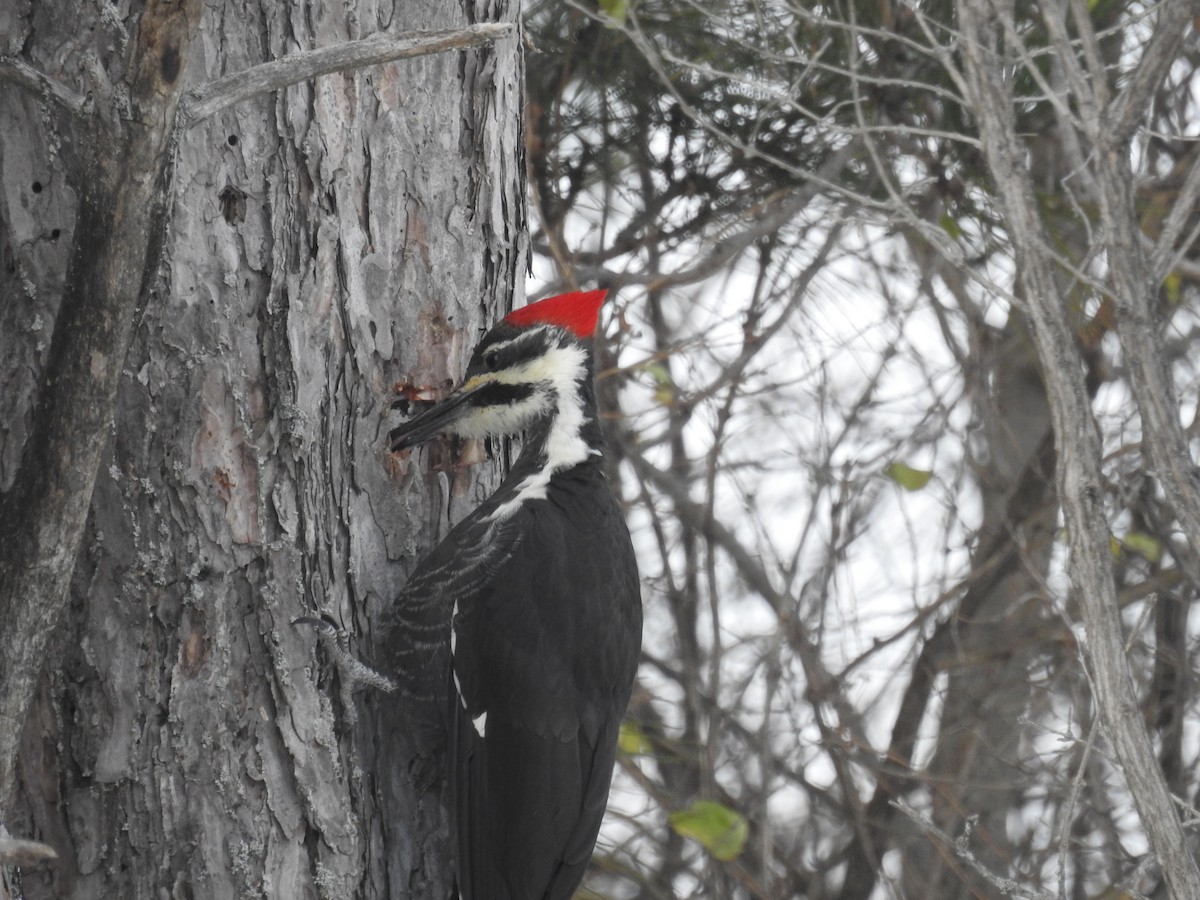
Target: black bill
<point x="431" y="422"/>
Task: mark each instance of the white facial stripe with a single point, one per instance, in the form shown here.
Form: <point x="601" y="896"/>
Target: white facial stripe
<point x="561" y="369"/>
<point x="560" y="366"/>
<point x="501" y="346"/>
<point x="554" y="377"/>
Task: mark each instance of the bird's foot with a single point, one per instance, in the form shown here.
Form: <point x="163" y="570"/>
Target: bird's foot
<point x="353" y="672"/>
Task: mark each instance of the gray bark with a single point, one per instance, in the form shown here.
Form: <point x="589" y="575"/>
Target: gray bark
<point x="116" y="240"/>
<point x="329" y="243"/>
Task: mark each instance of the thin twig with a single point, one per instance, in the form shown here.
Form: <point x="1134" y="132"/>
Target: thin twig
<point x="280" y="73"/>
<point x="962" y="849"/>
<point x="1064" y="843"/>
<point x="1166" y="253"/>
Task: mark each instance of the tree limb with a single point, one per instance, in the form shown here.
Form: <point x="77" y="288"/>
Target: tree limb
<point x="224" y="92"/>
<point x="1078" y="468"/>
<point x="962" y="849"/>
<point x="1161" y="52"/>
<point x="1165" y="255"/>
<point x="24" y="75"/>
<point x="221" y="93"/>
<point x="1150" y="378"/>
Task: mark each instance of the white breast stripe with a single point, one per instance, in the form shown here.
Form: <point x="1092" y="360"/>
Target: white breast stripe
<point x="565" y="368"/>
<point x="532" y="488"/>
<point x="480" y="723"/>
<point x="458" y="686"/>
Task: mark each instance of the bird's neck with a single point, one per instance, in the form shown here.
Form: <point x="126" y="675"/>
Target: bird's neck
<point x="563" y="441"/>
<point x="568" y="436"/>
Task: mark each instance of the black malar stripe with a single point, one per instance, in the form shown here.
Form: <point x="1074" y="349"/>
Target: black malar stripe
<point x="501" y="394"/>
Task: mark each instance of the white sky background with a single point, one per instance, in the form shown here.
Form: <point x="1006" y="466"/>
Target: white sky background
<point x="780" y="474"/>
<point x="776" y="450"/>
<point x="796" y="393"/>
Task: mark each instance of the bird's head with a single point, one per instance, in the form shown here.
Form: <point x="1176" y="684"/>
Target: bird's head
<point x="533" y="365"/>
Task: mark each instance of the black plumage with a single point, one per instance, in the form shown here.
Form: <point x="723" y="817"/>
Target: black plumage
<point x="522" y="628"/>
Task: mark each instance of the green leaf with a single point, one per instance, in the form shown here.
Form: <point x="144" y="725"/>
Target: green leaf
<point x="950" y="226"/>
<point x="633" y="741"/>
<point x="722" y="831"/>
<point x="907" y="477"/>
<point x="664" y="387"/>
<point x="658" y="372"/>
<point x="1173" y="288"/>
<point x="616" y="10"/>
<point x="1145" y="545"/>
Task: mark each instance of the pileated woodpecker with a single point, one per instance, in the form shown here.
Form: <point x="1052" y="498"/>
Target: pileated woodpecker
<point x="539" y="590"/>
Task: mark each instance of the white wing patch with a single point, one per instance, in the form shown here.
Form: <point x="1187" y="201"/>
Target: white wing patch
<point x="480" y="721"/>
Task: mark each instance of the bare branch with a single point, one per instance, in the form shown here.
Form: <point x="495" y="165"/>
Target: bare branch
<point x="14" y="852"/>
<point x="280" y="73"/>
<point x="1135" y="280"/>
<point x="1079" y="475"/>
<point x="217" y="95"/>
<point x="36" y="82"/>
<point x="1165" y="256"/>
<point x="1130" y="105"/>
<point x="962" y="850"/>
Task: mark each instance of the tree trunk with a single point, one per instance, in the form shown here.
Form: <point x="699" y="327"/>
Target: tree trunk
<point x="329" y="243"/>
<point x="1079" y="476"/>
<point x="979" y="765"/>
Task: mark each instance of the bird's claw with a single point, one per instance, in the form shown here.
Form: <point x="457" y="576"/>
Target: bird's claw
<point x="353" y="671"/>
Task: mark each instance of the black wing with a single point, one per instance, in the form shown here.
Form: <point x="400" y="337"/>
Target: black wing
<point x="415" y="630"/>
<point x="544" y="661"/>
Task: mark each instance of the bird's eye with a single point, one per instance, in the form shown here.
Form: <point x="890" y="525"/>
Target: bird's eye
<point x="492" y="361"/>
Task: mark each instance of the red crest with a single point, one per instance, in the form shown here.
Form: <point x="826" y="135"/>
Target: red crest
<point x="577" y="312"/>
